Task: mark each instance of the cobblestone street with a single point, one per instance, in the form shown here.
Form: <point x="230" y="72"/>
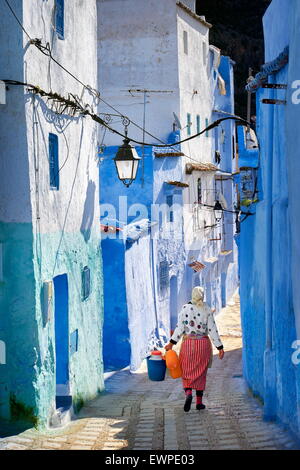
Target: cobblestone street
<point x="137" y="414"/>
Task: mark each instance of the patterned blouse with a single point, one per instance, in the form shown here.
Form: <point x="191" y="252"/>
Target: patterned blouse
<point x="193" y="320"/>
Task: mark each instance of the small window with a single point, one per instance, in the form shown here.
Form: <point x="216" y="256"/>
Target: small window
<point x="86" y="283"/>
<point x="204" y="49"/>
<point x="198" y="123"/>
<point x="74" y="342"/>
<point x="189" y="124"/>
<point x="53" y="161"/>
<point x="206" y="125"/>
<point x="60" y="18"/>
<point x="199" y="190"/>
<point x="170" y="204"/>
<point x="163" y="277"/>
<point x="185" y="42"/>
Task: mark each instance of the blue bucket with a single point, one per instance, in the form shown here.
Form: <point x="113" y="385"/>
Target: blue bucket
<point x="156" y="369"/>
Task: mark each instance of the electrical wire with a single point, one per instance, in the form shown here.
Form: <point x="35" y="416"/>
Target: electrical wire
<point x="84" y="111"/>
<point x="47" y="51"/>
<point x="229" y="211"/>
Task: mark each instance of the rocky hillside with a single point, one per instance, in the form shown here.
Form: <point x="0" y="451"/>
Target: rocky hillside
<point x="237" y="31"/>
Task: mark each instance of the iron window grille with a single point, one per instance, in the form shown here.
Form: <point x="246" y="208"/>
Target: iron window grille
<point x="189" y="124"/>
<point x="60" y="18"/>
<point x="198" y="123"/>
<point x="163" y="277"/>
<point x="86" y="283"/>
<point x="53" y="161"/>
<point x="185" y="42"/>
<point x="170" y="205"/>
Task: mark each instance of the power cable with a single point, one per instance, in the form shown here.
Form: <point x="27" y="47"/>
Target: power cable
<point x="47" y="51"/>
<point x="75" y="105"/>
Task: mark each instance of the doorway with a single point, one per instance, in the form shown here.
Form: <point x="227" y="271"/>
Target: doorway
<point x="61" y="320"/>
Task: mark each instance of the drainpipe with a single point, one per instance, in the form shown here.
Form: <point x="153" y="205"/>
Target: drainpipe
<point x="269" y="353"/>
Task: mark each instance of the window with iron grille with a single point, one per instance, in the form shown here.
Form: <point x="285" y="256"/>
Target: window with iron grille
<point x="86" y="283"/>
<point x="185" y="42"/>
<point x="199" y="191"/>
<point x="60" y="18"/>
<point x="170" y="205"/>
<point x="198" y="123"/>
<point x="189" y="124"/>
<point x="206" y="125"/>
<point x="53" y="161"/>
<point x="163" y="277"/>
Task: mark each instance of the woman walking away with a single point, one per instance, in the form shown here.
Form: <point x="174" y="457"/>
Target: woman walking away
<point x="195" y="322"/>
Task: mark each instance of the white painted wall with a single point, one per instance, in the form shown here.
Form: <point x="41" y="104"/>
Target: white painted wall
<point x="196" y="98"/>
<point x="77" y="137"/>
<point x="138" y="50"/>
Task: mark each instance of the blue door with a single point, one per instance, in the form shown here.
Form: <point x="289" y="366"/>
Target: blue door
<point x="61" y="319"/>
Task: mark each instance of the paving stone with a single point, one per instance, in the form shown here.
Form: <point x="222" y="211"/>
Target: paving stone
<point x="52" y="445"/>
<point x="228" y="447"/>
<point x="83" y="442"/>
<point x="148" y="414"/>
<point x="86" y="437"/>
<point x="13" y="446"/>
<point x="196" y="447"/>
<point x="20" y="440"/>
<point x="80" y="447"/>
<point x="143" y="439"/>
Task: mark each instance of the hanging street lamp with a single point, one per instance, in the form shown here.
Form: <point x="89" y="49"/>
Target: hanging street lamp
<point x="218" y="209"/>
<point x="127" y="162"/>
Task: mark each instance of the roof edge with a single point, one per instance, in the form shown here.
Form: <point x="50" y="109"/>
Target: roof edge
<point x="194" y="15"/>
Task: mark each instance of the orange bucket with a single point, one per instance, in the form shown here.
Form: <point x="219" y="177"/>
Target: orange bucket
<point x="172" y="363"/>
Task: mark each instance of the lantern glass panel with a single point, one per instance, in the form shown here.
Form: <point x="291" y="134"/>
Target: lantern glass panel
<point x="124" y="169"/>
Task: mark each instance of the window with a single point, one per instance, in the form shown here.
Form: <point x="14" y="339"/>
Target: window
<point x="170" y="204"/>
<point x="74" y="342"/>
<point x="59" y="18"/>
<point x="199" y="191"/>
<point x="198" y="123"/>
<point x="53" y="161"/>
<point x="206" y="125"/>
<point x="185" y="42"/>
<point x="163" y="277"/>
<point x="86" y="283"/>
<point x="204" y="49"/>
<point x="189" y="124"/>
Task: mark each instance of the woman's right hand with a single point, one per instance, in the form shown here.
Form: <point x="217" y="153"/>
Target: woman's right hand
<point x="221" y="353"/>
<point x="168" y="346"/>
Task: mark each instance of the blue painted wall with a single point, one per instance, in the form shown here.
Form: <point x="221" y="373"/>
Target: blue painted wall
<point x="136" y="315"/>
<point x="46" y="233"/>
<point x="116" y="338"/>
<point x="266" y="252"/>
<point x="61" y="323"/>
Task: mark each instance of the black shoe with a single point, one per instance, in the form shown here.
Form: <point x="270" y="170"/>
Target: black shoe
<point x="188" y="402"/>
<point x="200" y="407"/>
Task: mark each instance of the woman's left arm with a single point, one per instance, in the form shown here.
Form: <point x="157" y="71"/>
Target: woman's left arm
<point x="213" y="331"/>
<point x="178" y="332"/>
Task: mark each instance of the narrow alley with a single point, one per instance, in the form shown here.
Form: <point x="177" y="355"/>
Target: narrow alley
<point x="137" y="414"/>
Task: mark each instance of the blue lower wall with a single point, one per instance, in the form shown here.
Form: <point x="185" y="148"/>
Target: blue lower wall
<point x="29" y="376"/>
<point x="268" y="317"/>
<point x="116" y="340"/>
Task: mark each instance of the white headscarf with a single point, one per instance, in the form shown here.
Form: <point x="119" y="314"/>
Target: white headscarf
<point x="198" y="296"/>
